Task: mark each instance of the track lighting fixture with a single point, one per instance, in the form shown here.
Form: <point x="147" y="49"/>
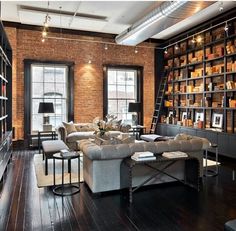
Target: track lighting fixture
<point x="136" y="50"/>
<point x="226" y="27"/>
<point x="105" y="47"/>
<point x="44" y="33"/>
<point x="193" y="40"/>
<point x="199" y="39"/>
<point x="176" y="46"/>
<point x="166" y="51"/>
<point x="221" y="6"/>
<point x="45" y="25"/>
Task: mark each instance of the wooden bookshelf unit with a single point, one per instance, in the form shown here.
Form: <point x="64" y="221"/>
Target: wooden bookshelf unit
<point x="5" y="101"/>
<point x="201" y="87"/>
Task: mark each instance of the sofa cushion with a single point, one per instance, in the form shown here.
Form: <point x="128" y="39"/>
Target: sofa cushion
<point x="73" y="137"/>
<point x="70" y="127"/>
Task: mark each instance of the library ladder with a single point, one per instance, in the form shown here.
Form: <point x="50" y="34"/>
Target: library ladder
<point x="159" y="102"/>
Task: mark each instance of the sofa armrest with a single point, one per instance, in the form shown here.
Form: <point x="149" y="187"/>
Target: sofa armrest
<point x="62" y="134"/>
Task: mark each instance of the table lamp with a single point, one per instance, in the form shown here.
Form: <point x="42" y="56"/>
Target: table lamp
<point x="135" y="108"/>
<point x="46" y="108"/>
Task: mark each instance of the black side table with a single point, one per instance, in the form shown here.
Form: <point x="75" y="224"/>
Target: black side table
<point x="67" y="189"/>
<point x="138" y="131"/>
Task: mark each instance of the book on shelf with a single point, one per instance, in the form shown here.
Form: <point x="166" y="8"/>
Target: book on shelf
<point x="176" y="154"/>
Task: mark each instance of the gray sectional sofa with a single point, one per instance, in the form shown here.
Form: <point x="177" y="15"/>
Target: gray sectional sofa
<point x="84" y="131"/>
<point x="104" y="170"/>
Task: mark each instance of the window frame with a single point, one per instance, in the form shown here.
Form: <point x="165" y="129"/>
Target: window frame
<point x="139" y="92"/>
<point x="28" y="90"/>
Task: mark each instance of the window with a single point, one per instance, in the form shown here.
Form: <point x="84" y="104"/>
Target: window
<point x="122" y="87"/>
<point x="47" y="82"/>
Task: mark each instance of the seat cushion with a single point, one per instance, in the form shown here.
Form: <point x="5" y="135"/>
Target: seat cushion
<point x="230" y="225"/>
<point x="51" y="147"/>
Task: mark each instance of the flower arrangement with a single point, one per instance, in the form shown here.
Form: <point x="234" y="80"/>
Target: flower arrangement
<point x="105" y="126"/>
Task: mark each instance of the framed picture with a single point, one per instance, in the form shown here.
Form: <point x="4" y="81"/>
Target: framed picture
<point x="217" y="120"/>
<point x="184" y="116"/>
<point x="199" y="116"/>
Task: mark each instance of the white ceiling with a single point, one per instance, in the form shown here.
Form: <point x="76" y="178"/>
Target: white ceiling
<point x="119" y="15"/>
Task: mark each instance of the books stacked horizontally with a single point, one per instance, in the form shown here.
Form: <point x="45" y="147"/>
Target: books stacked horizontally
<point x="67" y="153"/>
<point x="176" y="154"/>
<point x="143" y="156"/>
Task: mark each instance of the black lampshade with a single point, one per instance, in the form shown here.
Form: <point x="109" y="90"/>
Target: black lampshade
<point x="134" y="107"/>
<point x="46" y="107"/>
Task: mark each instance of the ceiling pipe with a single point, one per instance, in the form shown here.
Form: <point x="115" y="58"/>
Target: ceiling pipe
<point x="140" y="30"/>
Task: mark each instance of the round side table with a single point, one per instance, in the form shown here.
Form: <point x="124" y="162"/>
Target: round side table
<point x="66" y="189"/>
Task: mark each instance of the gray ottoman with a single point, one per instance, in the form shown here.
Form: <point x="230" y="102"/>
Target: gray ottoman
<point x="230" y="225"/>
<point x="51" y="147"/>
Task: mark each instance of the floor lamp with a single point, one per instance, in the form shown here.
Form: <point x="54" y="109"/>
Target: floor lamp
<point x="46" y="108"/>
<point x="135" y="108"/>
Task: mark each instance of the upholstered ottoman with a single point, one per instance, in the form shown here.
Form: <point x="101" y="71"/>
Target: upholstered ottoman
<point x="230" y="225"/>
<point x="51" y="147"/>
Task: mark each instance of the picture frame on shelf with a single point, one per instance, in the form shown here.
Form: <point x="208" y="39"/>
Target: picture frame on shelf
<point x="217" y="120"/>
<point x="184" y="116"/>
<point x="199" y="116"/>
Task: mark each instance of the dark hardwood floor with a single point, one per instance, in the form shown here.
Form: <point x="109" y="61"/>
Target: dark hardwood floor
<point x="172" y="207"/>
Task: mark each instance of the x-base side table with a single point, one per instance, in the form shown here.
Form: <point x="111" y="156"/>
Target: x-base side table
<point x="191" y="173"/>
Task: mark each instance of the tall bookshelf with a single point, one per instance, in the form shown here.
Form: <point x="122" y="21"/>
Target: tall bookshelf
<point x="201" y="89"/>
<point x="5" y="101"/>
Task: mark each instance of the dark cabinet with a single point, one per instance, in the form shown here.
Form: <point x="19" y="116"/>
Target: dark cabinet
<point x="226" y="142"/>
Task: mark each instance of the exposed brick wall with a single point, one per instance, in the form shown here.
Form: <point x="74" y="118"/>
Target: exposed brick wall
<point x="88" y="90"/>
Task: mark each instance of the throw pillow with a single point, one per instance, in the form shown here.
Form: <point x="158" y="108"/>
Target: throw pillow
<point x="70" y="127"/>
<point x="84" y="127"/>
<point x="183" y="136"/>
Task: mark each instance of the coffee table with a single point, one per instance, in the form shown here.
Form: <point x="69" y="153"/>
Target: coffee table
<point x="69" y="188"/>
<point x="191" y="173"/>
